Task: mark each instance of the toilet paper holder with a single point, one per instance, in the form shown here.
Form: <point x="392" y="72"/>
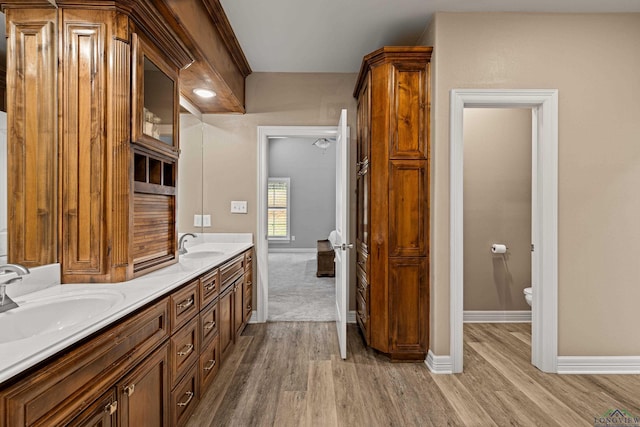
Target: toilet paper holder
<point x="499" y="248"/>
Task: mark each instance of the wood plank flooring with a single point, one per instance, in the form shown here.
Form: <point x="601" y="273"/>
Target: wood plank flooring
<point x="290" y="374"/>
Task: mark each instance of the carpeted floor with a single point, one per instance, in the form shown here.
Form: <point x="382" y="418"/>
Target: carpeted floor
<point x="295" y="293"/>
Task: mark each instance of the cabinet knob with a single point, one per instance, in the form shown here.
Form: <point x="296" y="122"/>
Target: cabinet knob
<point x="128" y="390"/>
<point x="189" y="395"/>
<point x="186" y="350"/>
<point x="111" y="408"/>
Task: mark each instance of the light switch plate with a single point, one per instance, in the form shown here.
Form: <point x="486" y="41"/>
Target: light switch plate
<point x="197" y="220"/>
<point x="239" y="207"/>
<point x="206" y="220"/>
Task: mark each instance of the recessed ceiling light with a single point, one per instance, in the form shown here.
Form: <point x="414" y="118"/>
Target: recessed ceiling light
<point x="204" y="93"/>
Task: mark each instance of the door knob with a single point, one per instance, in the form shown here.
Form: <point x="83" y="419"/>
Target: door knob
<point x="344" y="246"/>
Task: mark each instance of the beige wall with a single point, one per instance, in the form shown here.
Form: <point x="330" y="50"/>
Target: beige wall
<point x="189" y="173"/>
<point x="593" y="60"/>
<point x="230" y="141"/>
<point x="497" y="207"/>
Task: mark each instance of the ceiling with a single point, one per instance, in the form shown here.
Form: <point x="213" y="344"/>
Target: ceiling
<point x="334" y="35"/>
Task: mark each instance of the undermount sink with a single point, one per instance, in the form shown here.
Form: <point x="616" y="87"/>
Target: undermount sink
<point x="50" y="314"/>
<point x="201" y="254"/>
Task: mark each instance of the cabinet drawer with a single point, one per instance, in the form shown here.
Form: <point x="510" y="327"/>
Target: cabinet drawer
<point x="209" y="287"/>
<point x="184" y="305"/>
<point x="184" y="349"/>
<point x="60" y="390"/>
<point x="209" y="363"/>
<point x="185" y="397"/>
<point x="208" y="324"/>
<point x="230" y="271"/>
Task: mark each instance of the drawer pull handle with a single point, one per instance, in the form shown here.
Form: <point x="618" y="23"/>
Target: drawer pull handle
<point x="210" y="287"/>
<point x="249" y="283"/>
<point x="249" y="259"/>
<point x="111" y="408"/>
<point x="210" y="325"/>
<point x="186" y="303"/>
<point x="249" y="307"/>
<point x="186" y="350"/>
<point x="360" y="262"/>
<point x="130" y="389"/>
<point x="212" y="363"/>
<point x="189" y="397"/>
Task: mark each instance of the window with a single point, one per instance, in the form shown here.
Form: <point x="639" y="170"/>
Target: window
<point x="278" y="208"/>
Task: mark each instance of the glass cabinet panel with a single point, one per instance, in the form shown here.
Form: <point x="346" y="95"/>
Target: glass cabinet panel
<point x="155" y="99"/>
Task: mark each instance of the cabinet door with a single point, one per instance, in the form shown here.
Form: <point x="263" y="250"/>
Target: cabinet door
<point x="102" y="413"/>
<point x="408" y="307"/>
<point x="143" y="395"/>
<point x="225" y="309"/>
<point x="238" y="306"/>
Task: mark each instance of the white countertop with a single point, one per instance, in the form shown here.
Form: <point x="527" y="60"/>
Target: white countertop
<point x="17" y="356"/>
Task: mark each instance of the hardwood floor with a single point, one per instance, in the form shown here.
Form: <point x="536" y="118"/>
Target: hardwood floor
<point x="290" y="374"/>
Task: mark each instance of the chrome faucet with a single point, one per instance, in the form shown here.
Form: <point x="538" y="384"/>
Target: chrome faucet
<point x="181" y="249"/>
<point x="7" y="303"/>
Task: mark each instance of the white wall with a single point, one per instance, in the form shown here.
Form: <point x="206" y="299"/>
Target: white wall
<point x="593" y="61"/>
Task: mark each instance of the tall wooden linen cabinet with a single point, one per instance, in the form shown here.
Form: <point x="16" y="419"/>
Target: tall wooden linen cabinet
<point x="392" y="221"/>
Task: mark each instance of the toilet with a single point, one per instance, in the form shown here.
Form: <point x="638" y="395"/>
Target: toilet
<point x="528" y="295"/>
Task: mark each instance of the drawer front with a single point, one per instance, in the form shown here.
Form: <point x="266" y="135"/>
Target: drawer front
<point x="184" y="305"/>
<point x="231" y="270"/>
<point x="208" y="324"/>
<point x="209" y="287"/>
<point x="183" y="350"/>
<point x="209" y="363"/>
<point x="185" y="397"/>
<point x="59" y="391"/>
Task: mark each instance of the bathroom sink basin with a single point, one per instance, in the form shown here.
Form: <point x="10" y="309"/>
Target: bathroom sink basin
<point x="50" y="314"/>
<point x="201" y="254"/>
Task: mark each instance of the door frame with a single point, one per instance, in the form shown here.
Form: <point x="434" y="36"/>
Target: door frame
<point x="544" y="106"/>
<point x="262" y="244"/>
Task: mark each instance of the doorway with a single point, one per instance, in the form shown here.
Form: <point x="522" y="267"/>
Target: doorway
<point x="265" y="134"/>
<point x="544" y="218"/>
<point x="301" y="204"/>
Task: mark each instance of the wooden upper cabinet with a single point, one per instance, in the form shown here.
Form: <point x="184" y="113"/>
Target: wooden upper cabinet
<point x="155" y="99"/>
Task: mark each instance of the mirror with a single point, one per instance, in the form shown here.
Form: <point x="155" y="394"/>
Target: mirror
<point x="3" y="149"/>
<point x="190" y="168"/>
<point x="3" y="187"/>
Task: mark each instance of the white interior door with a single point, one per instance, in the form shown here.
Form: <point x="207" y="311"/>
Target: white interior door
<point x="341" y="244"/>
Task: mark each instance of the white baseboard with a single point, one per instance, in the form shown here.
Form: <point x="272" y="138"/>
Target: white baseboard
<point x="599" y="364"/>
<point x="254" y="317"/>
<point x="351" y="316"/>
<point x="489" y="316"/>
<point x="293" y="250"/>
<point x="439" y="364"/>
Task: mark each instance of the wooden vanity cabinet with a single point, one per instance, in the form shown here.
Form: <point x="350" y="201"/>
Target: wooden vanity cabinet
<point x="392" y="218"/>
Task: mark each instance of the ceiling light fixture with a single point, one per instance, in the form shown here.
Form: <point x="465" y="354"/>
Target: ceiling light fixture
<point x="204" y="93"/>
<point x="322" y="143"/>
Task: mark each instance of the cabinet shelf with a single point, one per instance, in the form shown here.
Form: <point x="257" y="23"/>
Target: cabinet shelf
<point x="153" y="174"/>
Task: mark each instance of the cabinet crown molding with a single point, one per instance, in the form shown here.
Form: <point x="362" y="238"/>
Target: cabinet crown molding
<point x="388" y="54"/>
